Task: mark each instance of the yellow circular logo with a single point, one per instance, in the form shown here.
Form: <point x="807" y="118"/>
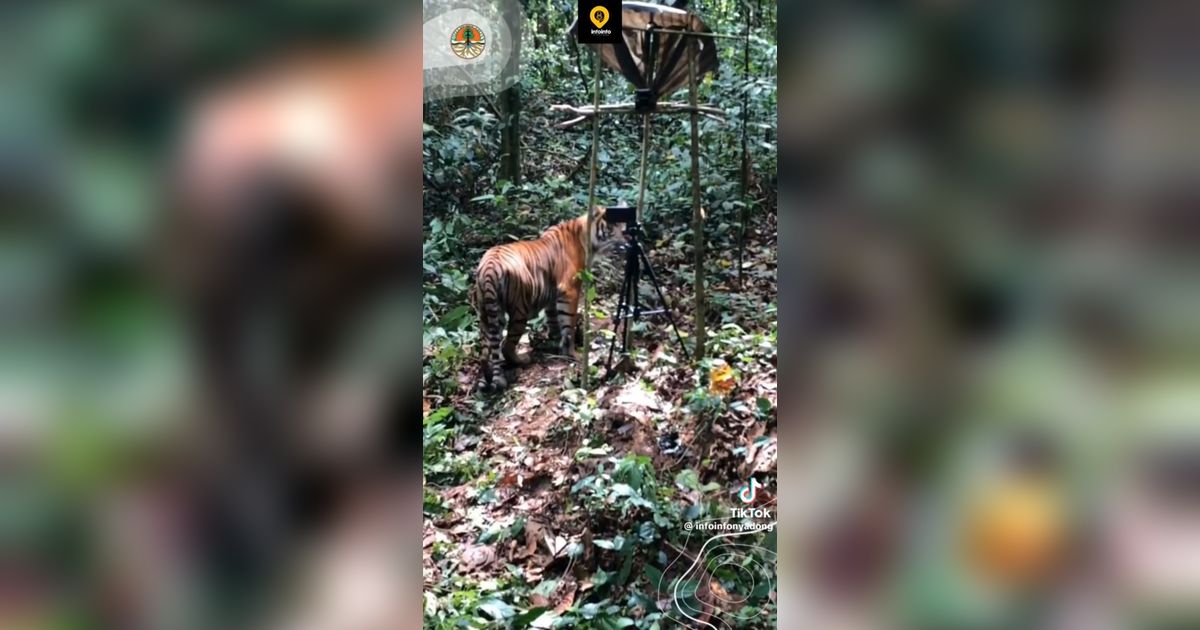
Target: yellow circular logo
<point x="467" y="41"/>
<point x="599" y="17"/>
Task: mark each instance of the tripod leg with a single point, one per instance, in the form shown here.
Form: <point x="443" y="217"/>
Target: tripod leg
<point x="633" y="273"/>
<point x="666" y="305"/>
<point x="617" y="318"/>
<point x="611" y="346"/>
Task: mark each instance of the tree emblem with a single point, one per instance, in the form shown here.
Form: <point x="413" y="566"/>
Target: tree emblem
<point x="467" y="41"/>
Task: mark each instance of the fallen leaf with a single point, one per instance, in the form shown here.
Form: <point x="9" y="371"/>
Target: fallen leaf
<point x="477" y="556"/>
<point x="568" y="597"/>
<point x="556" y="544"/>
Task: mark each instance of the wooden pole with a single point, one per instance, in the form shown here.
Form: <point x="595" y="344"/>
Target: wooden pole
<point x="583" y="113"/>
<point x="587" y="247"/>
<point x="745" y="166"/>
<point x="510" y="134"/>
<point x="697" y="216"/>
<point x="638" y="211"/>
<point x="630" y="108"/>
<point x="679" y="31"/>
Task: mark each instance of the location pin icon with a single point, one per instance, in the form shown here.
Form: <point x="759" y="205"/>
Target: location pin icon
<point x="599" y="16"/>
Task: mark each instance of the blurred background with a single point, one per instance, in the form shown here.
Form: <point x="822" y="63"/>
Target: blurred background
<point x="994" y="210"/>
<point x="208" y="211"/>
<point x="992" y="414"/>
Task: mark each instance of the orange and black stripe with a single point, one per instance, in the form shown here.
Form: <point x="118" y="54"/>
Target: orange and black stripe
<point x="518" y="280"/>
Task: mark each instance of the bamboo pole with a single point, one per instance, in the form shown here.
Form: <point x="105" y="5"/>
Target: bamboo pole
<point x="638" y="211"/>
<point x="697" y="215"/>
<point x="629" y="108"/>
<point x="585" y="112"/>
<point x="642" y="176"/>
<point x="679" y="31"/>
<point x="744" y="175"/>
<point x="587" y="247"/>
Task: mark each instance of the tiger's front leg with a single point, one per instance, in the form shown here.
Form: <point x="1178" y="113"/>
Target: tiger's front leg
<point x="566" y="307"/>
<point x="555" y="331"/>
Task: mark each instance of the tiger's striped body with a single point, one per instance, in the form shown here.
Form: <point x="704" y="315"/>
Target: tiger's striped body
<point x="519" y="280"/>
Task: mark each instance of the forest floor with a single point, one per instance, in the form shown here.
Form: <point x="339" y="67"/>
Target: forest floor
<point x="535" y="506"/>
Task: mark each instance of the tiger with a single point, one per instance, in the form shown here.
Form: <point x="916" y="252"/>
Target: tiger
<point x="520" y="279"/>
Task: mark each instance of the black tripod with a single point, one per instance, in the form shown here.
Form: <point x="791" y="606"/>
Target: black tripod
<point x="629" y="306"/>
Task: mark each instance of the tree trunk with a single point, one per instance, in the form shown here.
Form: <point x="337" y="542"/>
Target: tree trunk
<point x="510" y="134"/>
<point x="697" y="215"/>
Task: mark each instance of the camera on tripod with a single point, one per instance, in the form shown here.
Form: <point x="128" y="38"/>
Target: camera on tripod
<point x="637" y="267"/>
<point x="621" y="214"/>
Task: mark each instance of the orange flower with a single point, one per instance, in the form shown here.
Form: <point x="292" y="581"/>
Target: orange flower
<point x="1016" y="533"/>
<point x="721" y="380"/>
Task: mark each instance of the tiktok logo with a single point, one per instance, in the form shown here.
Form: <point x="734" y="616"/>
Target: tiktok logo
<point x="746" y="494"/>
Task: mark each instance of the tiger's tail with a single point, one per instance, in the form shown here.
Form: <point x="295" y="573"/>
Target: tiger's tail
<point x="485" y="297"/>
<point x="473" y="294"/>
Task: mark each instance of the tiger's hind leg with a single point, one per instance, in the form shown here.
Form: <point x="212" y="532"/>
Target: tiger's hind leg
<point x="491" y="327"/>
<point x="516" y="328"/>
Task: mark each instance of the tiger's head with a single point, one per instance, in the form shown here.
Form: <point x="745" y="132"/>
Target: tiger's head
<point x="606" y="237"/>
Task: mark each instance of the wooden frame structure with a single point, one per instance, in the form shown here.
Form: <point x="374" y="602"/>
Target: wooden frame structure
<point x="694" y="110"/>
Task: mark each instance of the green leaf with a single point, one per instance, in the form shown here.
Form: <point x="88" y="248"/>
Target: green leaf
<point x="587" y="451"/>
<point x="497" y="609"/>
<point x="600" y="577"/>
<point x="626" y="567"/>
<point x="586" y="482"/>
<point x="647" y="532"/>
<point x="624" y="490"/>
<point x="455" y="316"/>
<point x="655" y="576"/>
<point x="526" y="619"/>
<point x="437" y="416"/>
<point x="546" y="588"/>
<point x="688" y="479"/>
<point x="614" y="623"/>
